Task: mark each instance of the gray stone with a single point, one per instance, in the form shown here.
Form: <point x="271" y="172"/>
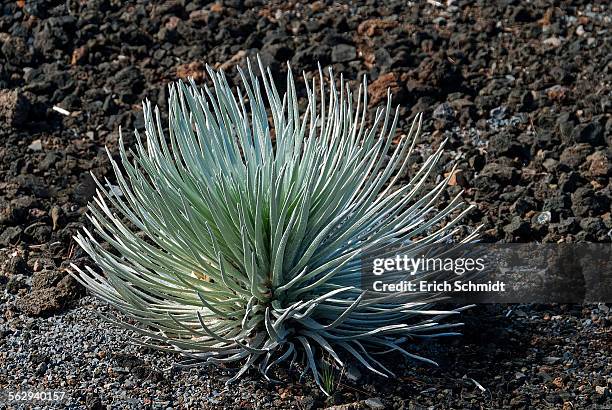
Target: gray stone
<point x="10" y="235"/>
<point x="36" y="145"/>
<point x="343" y="52"/>
<point x="374" y="403"/>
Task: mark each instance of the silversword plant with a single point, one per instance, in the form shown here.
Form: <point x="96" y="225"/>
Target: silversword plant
<point x="237" y="236"/>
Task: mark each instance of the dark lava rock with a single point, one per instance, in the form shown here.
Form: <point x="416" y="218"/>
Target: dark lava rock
<point x="439" y="73"/>
<point x="93" y="402"/>
<point x="15" y="284"/>
<point x="594" y="226"/>
<point x="49" y="161"/>
<point x="39" y="232"/>
<point x="494" y="176"/>
<point x="14" y="108"/>
<point x="557" y="205"/>
<point x="311" y="54"/>
<point x="279" y="52"/>
<point x="423" y="104"/>
<point x="10" y="235"/>
<point x="46" y="279"/>
<point x="586" y="202"/>
<point x="85" y="190"/>
<point x="128" y="83"/>
<point x="523" y="205"/>
<point x="444" y="116"/>
<point x="567" y="226"/>
<point x="568" y="182"/>
<point x="517" y="227"/>
<point x="41" y="369"/>
<point x="53" y="34"/>
<point x="137" y="367"/>
<point x="146" y="372"/>
<point x="477" y="161"/>
<point x="443" y="111"/>
<point x="591" y="133"/>
<point x="128" y="361"/>
<point x="521" y="15"/>
<point x="343" y="52"/>
<point x="16" y="50"/>
<point x="33" y="185"/>
<point x="575" y="155"/>
<point x="504" y="144"/>
<point x="18" y="266"/>
<point x="19" y="207"/>
<point x="565" y="124"/>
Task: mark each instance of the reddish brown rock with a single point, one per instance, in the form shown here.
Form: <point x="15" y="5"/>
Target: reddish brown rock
<point x="14" y="107"/>
<point x="558" y="93"/>
<point x="78" y="55"/>
<point x="44" y="301"/>
<point x="375" y="27"/>
<point x="195" y="69"/>
<point x="378" y="89"/>
<point x="599" y="164"/>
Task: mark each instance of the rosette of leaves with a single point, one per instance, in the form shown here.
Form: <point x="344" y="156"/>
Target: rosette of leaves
<point x="236" y="235"/>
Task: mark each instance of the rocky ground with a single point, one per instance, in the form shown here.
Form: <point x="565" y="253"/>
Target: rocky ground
<point x="521" y="90"/>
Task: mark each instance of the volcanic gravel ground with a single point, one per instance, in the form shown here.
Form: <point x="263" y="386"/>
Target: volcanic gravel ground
<point x="521" y="90"/>
<point x="514" y="357"/>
